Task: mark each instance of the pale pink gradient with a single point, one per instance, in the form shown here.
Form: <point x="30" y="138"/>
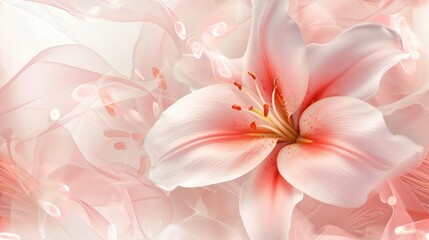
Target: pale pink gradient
<point x="216" y="119"/>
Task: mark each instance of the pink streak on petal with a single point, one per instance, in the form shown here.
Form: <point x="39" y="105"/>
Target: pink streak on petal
<point x="267" y="202"/>
<point x="353" y="63"/>
<point x="351" y="152"/>
<point x="276" y="50"/>
<point x="200" y="126"/>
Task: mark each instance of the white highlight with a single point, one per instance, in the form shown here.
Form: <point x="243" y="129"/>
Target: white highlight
<point x="138" y="73"/>
<point x="415" y="55"/>
<point x="13" y="2"/>
<point x="94" y="10"/>
<point x="112" y="232"/>
<point x="136" y="116"/>
<point x="219" y="29"/>
<point x="114" y="3"/>
<point x="196" y="47"/>
<point x="222" y="68"/>
<point x="50" y="208"/>
<point x="392" y="200"/>
<point x="400" y="230"/>
<point x="9" y="236"/>
<point x="83" y="91"/>
<point x="155" y="109"/>
<point x="404" y="230"/>
<point x="180" y="29"/>
<point x="64" y="188"/>
<point x="55" y="114"/>
<point x="172" y="231"/>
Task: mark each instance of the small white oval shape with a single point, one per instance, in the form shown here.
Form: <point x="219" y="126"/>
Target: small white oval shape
<point x="50" y="208"/>
<point x="180" y="29"/>
<point x="9" y="236"/>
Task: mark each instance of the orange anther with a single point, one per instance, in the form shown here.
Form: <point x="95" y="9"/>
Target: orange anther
<point x="138" y="137"/>
<point x="266" y="110"/>
<point x="252" y="74"/>
<point x="238" y="85"/>
<point x="120" y="146"/>
<point x="155" y="72"/>
<point x="109" y="104"/>
<point x="162" y="84"/>
<point x="111" y="110"/>
<point x="236" y="107"/>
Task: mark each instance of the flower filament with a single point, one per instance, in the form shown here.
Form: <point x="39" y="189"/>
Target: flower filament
<point x="271" y="114"/>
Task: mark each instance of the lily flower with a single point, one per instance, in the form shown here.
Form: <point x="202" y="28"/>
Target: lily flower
<point x="300" y="115"/>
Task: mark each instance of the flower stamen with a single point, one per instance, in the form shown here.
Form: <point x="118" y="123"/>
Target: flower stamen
<point x="253" y="125"/>
<point x="276" y="131"/>
<point x="266" y="110"/>
<point x="252" y="74"/>
<point x="157" y="74"/>
<point x="238" y="85"/>
<point x="276" y="113"/>
<point x="303" y="140"/>
<point x="276" y="126"/>
<point x="236" y="107"/>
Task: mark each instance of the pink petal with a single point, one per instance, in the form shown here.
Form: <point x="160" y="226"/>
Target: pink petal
<point x="159" y="48"/>
<point x="196" y="73"/>
<point x="353" y="63"/>
<point x="118" y="138"/>
<point x="123" y="11"/>
<point x="276" y="50"/>
<point x="267" y="202"/>
<point x="222" y="26"/>
<point x="201" y="140"/>
<point x="197" y="227"/>
<point x="158" y="62"/>
<point x="119" y="202"/>
<point x="408" y="194"/>
<point x="404" y="203"/>
<point x="58" y="85"/>
<point x="53" y="80"/>
<point x="308" y="15"/>
<point x="206" y="201"/>
<point x="320" y="21"/>
<point x="351" y="152"/>
<point x="397" y="85"/>
<point x="211" y="69"/>
<point x="409" y="117"/>
<point x="360" y="10"/>
<point x="16" y="45"/>
<point x="313" y="219"/>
